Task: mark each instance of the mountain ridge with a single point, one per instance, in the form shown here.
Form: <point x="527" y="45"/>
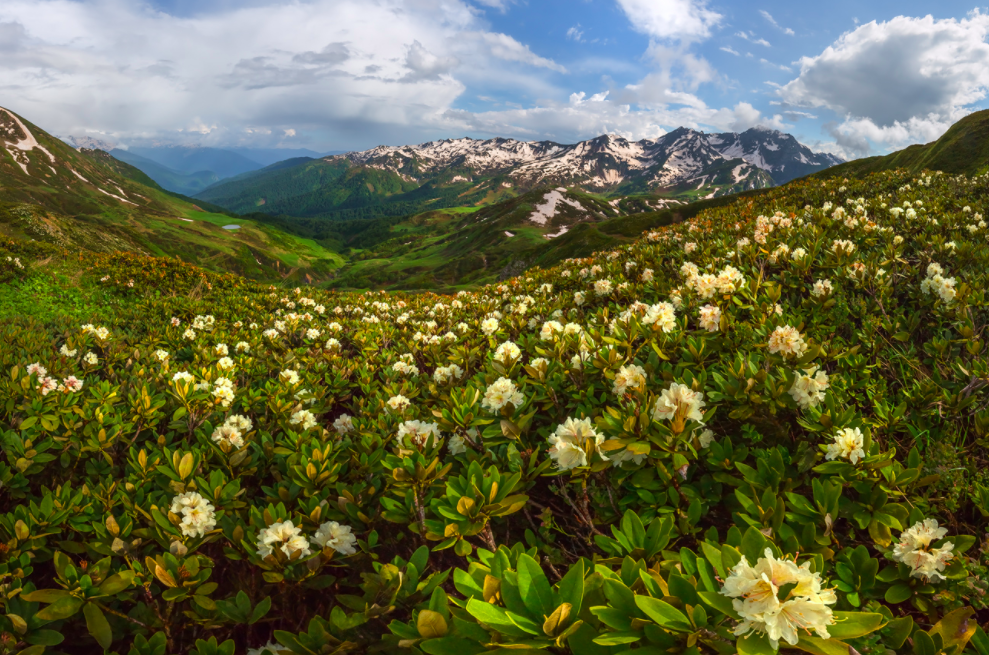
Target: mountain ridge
<point x="394" y="180"/>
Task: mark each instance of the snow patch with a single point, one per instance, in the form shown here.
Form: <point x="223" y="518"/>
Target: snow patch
<point x="113" y="195"/>
<point x="508" y="234"/>
<point x="231" y="227"/>
<point x="547" y="210"/>
<point x="460" y="178"/>
<point x="563" y="230"/>
<point x="735" y="173"/>
<point x="25" y="144"/>
<point x="189" y="220"/>
<point x="74" y="172"/>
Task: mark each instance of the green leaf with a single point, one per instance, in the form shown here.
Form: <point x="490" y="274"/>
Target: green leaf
<point x="818" y="646"/>
<point x="754" y="644"/>
<point x="431" y="625"/>
<point x="451" y="646"/>
<point x="63" y="608"/>
<point x="534" y="588"/>
<point x="719" y="602"/>
<point x="494" y="617"/>
<point x="571" y="588"/>
<point x="898" y="593"/>
<point x="116" y="583"/>
<point x="664" y="614"/>
<point x="849" y="625"/>
<point x="259" y="611"/>
<point x="45" y="638"/>
<point x="898" y="630"/>
<point x="97" y="624"/>
<point x="45" y="595"/>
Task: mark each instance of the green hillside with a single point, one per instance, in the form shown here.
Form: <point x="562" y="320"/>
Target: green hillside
<point x="962" y="150"/>
<point x="339" y="190"/>
<point x="89" y="200"/>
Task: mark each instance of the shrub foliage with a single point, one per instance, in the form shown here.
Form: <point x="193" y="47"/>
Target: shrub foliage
<point x="761" y="429"/>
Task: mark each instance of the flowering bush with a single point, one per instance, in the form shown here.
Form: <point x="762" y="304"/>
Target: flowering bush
<point x="629" y="452"/>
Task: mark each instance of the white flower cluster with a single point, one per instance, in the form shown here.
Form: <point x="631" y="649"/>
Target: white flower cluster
<point x="630" y="377"/>
<point x="572" y="443"/>
<point x="679" y="402"/>
<point x="196" y="513"/>
<point x="706" y="285"/>
<point x="935" y="282"/>
<point x="419" y="434"/>
<point x="223" y="391"/>
<point x="822" y="288"/>
<point x="754" y="591"/>
<point x="231" y="433"/>
<point x="849" y="444"/>
<point x="809" y="386"/>
<point x="444" y="374"/>
<point x="914" y="550"/>
<point x="710" y="318"/>
<point x="100" y="333"/>
<point x="787" y="340"/>
<point x="304" y="418"/>
<point x="501" y="393"/>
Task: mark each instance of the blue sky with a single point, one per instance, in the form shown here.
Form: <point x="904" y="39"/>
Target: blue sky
<point x="351" y="74"/>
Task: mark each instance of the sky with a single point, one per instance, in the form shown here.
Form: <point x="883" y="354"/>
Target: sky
<point x="845" y="77"/>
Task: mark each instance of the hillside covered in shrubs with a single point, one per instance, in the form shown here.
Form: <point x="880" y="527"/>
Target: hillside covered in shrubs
<point x="761" y="429"/>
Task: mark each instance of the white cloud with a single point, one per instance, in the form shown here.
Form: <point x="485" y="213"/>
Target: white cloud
<point x="777" y="66"/>
<point x="686" y="20"/>
<point x="898" y="82"/>
<point x="772" y="21"/>
<point x="575" y="33"/>
<point x="337" y="71"/>
<point x="750" y="36"/>
<point x="505" y="47"/>
<point x="729" y="50"/>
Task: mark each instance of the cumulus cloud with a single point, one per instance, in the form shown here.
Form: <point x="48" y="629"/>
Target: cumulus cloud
<point x="897" y="82"/>
<point x="424" y="65"/>
<point x="687" y="20"/>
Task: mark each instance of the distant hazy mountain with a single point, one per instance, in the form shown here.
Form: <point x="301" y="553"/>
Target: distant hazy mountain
<point x="389" y="180"/>
<point x="186" y="184"/>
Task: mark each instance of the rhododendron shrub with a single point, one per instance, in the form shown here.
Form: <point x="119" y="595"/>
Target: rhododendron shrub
<point x="764" y="428"/>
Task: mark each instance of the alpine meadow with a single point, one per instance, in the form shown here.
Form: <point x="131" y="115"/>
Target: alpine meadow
<point x="649" y="378"/>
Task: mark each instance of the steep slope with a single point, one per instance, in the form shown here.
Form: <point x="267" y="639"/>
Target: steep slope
<point x="962" y="150"/>
<point x="87" y="199"/>
<point x="775" y="152"/>
<point x="389" y="181"/>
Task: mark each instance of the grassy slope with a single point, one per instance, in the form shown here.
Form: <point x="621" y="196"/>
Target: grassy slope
<point x="51" y="203"/>
<point x="454" y="248"/>
<point x="963" y="149"/>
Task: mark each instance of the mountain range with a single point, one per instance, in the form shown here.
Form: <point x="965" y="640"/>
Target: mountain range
<point x="389" y="181"/>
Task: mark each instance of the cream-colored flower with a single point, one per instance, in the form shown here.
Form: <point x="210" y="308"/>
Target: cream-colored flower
<point x="679" y="402"/>
<point x="501" y="393"/>
<point x="809" y="387"/>
<point x="631" y="377"/>
<point x="848" y="444"/>
<point x="788" y="341"/>
<point x="710" y="318"/>
<point x="914" y="550"/>
<point x="336" y="536"/>
<point x="284" y="537"/>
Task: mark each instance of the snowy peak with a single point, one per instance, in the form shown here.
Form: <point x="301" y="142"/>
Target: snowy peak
<point x="680" y="158"/>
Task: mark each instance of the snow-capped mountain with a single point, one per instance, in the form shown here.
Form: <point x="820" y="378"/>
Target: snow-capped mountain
<point x="678" y="160"/>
